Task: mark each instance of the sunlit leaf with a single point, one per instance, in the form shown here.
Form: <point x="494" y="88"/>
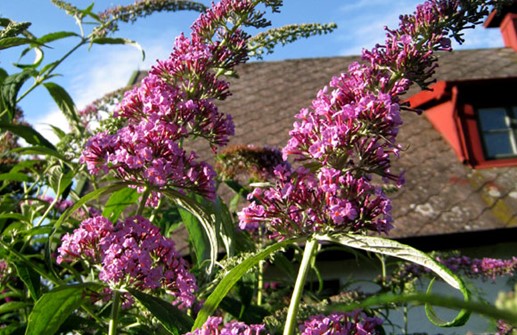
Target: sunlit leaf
<point x="51" y="37"/>
<point x="395" y="249"/>
<point x="65" y="103"/>
<point x="118" y="40"/>
<point x="118" y="202"/>
<point x="197" y="236"/>
<point x="204" y="217"/>
<point x="54" y="307"/>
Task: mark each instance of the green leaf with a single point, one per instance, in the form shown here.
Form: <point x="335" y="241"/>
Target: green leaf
<point x="58" y="132"/>
<point x="462" y="317"/>
<point x="10" y="88"/>
<point x="30" y="278"/>
<point x="118" y="40"/>
<point x="51" y="37"/>
<point x="395" y="249"/>
<point x="29" y="134"/>
<point x="197" y="236"/>
<point x="14" y="176"/>
<point x="40" y="150"/>
<point x="9" y="42"/>
<point x="118" y="202"/>
<point x="232" y="277"/>
<point x="226" y="226"/>
<point x="204" y="217"/>
<point x="59" y="178"/>
<point x="85" y="199"/>
<point x="174" y="320"/>
<point x="65" y="103"/>
<point x="54" y="307"/>
<point x="12" y="306"/>
<point x="38" y="58"/>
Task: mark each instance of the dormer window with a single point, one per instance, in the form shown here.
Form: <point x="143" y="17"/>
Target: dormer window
<point x="477" y="117"/>
<point x="498" y="129"/>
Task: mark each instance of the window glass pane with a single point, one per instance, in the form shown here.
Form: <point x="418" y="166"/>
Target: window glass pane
<point x="492" y="118"/>
<point x="498" y="144"/>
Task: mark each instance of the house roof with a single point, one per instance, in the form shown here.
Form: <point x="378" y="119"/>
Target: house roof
<point x="441" y="195"/>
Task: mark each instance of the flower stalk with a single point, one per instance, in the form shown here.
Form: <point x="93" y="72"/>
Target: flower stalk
<point x="115" y="308"/>
<point x="308" y="254"/>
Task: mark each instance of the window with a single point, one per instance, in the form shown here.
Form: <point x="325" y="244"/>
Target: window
<point x="498" y="128"/>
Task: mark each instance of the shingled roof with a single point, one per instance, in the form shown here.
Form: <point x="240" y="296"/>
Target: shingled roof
<point x="441" y="195"/>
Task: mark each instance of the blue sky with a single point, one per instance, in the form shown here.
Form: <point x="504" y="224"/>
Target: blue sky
<point x="90" y="74"/>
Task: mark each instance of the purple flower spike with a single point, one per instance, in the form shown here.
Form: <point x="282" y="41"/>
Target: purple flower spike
<point x="132" y="253"/>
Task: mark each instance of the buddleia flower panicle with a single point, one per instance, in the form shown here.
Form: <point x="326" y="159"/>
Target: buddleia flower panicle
<point x="132" y="253"/>
<point x="214" y="326"/>
<point x="346" y="140"/>
<point x="175" y="102"/>
<point x="484" y="268"/>
<point x="355" y="323"/>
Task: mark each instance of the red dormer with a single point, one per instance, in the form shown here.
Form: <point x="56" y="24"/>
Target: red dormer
<point x="477" y="117"/>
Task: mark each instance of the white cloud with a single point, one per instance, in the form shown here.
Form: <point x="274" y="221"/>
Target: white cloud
<point x="54" y="118"/>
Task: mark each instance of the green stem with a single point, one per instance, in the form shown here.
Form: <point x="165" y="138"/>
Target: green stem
<point x="308" y="254"/>
<point x="115" y="307"/>
<point x="145" y="196"/>
<point x="51" y="69"/>
<point x="260" y="282"/>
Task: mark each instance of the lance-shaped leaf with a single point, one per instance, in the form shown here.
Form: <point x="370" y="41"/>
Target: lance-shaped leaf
<point x="65" y="103"/>
<point x="9" y="42"/>
<point x="118" y="40"/>
<point x="54" y="307"/>
<point x="29" y="134"/>
<point x="118" y="202"/>
<point x="232" y="277"/>
<point x="30" y="278"/>
<point x="10" y="88"/>
<point x="174" y="320"/>
<point x="395" y="249"/>
<point x="205" y="218"/>
<point x="54" y="36"/>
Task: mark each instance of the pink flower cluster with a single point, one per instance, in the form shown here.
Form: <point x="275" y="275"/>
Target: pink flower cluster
<point x="213" y="327"/>
<point x="131" y="253"/>
<point x="175" y="102"/>
<point x="356" y="323"/>
<point x="302" y="203"/>
<point x="347" y="138"/>
<point x="484" y="268"/>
